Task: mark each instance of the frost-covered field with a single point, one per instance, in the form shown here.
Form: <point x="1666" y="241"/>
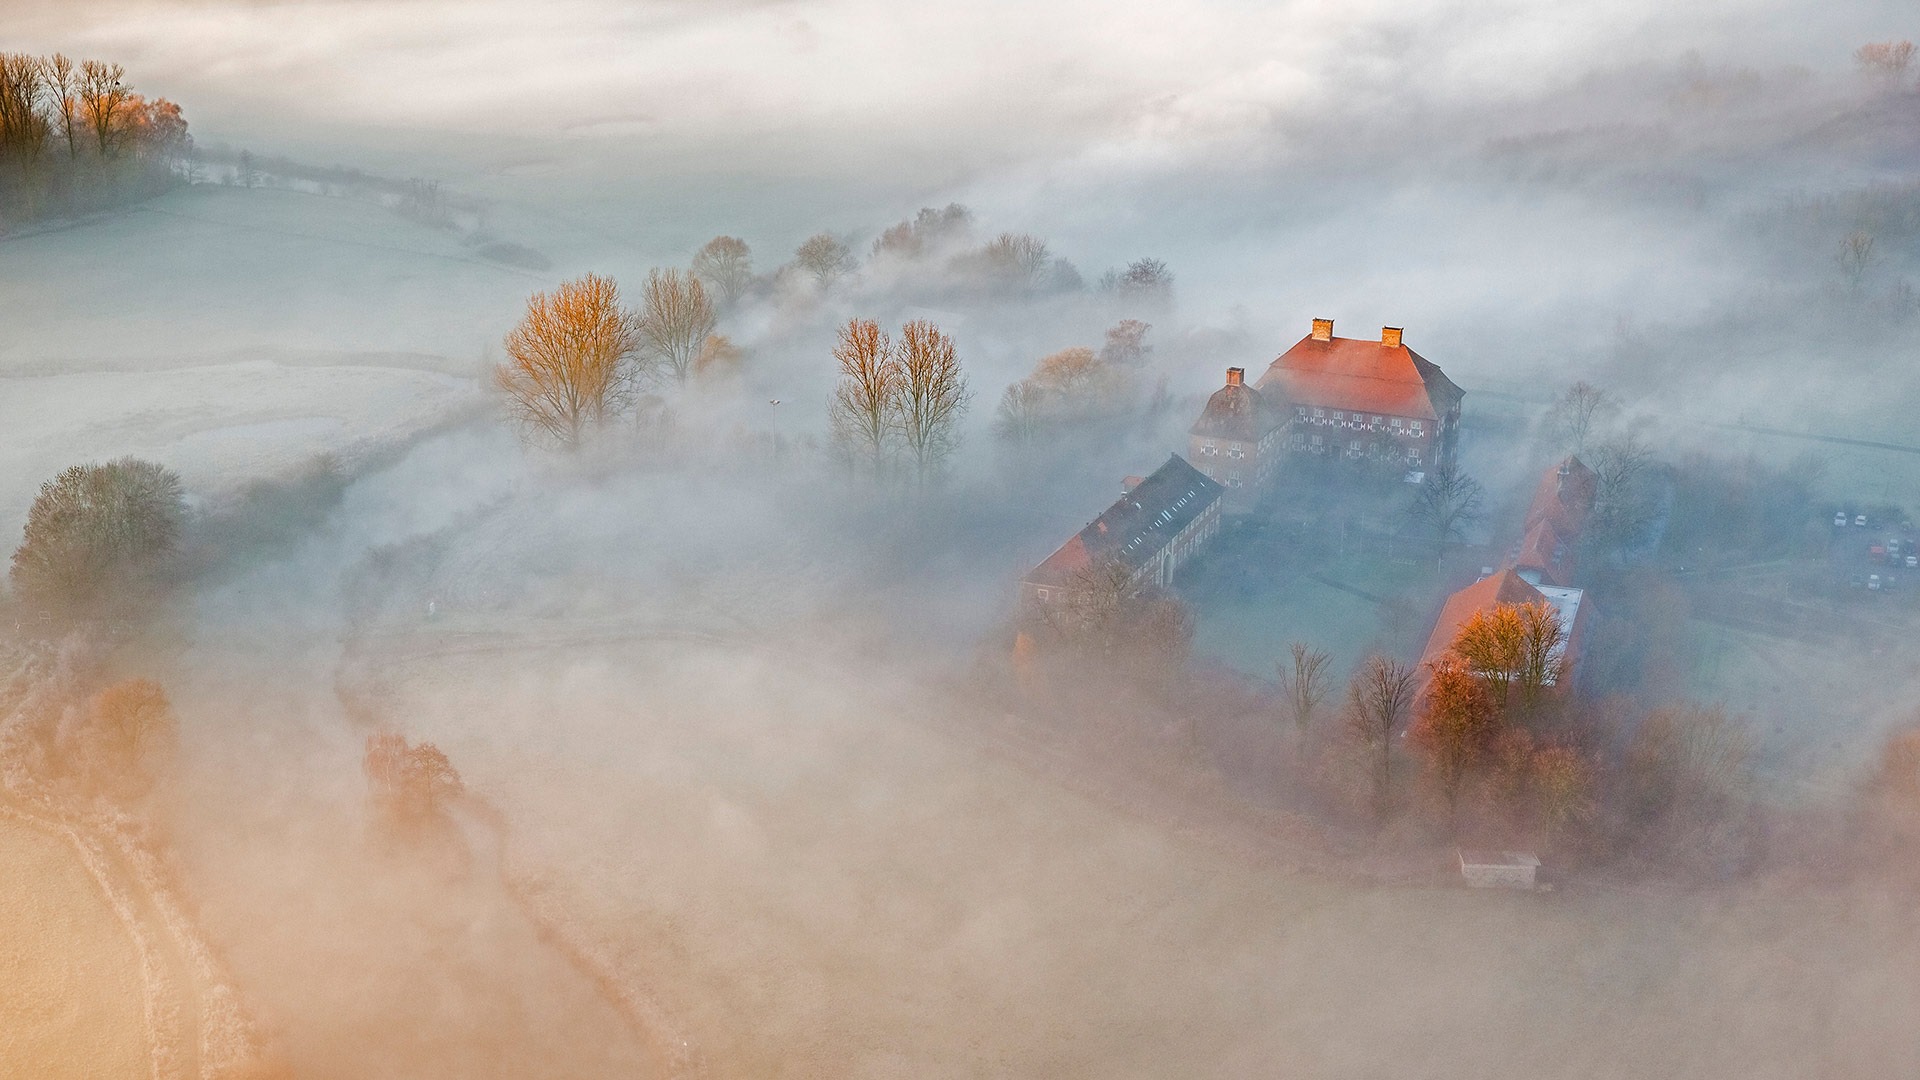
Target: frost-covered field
<point x="233" y="334"/>
<point x="69" y="978"/>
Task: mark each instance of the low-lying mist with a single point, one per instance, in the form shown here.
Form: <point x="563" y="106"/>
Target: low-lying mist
<point x="706" y="739"/>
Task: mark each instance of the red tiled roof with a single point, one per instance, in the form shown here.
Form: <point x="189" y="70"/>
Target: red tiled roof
<point x="1541" y="549"/>
<point x="1564" y="498"/>
<point x="1505" y="587"/>
<point x="1236" y="411"/>
<point x="1361" y="376"/>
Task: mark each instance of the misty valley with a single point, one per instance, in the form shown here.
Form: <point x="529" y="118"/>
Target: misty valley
<point x="816" y="540"/>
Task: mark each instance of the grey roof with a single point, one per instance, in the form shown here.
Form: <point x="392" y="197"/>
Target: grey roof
<point x="1138" y="526"/>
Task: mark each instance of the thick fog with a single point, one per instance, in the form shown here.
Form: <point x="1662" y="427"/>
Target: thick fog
<point x="757" y="774"/>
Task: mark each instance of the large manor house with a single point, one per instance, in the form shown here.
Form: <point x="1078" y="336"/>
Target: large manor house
<point x="1351" y="399"/>
<point x="1360" y="400"/>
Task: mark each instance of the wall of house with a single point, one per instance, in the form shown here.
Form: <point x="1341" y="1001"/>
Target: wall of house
<point x="1239" y="466"/>
<point x="1416" y="441"/>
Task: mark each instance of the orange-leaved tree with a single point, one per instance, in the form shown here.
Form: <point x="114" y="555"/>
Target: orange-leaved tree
<point x="1513" y="647"/>
<point x="408" y="781"/>
<point x="1456" y="727"/>
<point x="570" y="361"/>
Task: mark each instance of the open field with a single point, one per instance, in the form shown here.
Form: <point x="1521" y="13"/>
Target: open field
<point x="70" y="993"/>
<point x="816" y="883"/>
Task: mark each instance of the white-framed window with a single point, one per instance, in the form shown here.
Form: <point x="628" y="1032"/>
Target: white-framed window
<point x="1356" y="446"/>
<point x="1236" y="453"/>
<point x="1319" y="412"/>
<point x="1413" y="456"/>
<point x="1397" y="422"/>
<point x="1418" y="426"/>
<point x="1338" y="415"/>
<point x="1044" y="592"/>
<point x="1301" y="411"/>
<point x="1208" y="449"/>
<point x="1317" y="441"/>
<point x="1233" y="481"/>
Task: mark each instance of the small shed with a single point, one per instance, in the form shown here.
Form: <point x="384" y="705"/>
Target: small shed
<point x="1499" y="869"/>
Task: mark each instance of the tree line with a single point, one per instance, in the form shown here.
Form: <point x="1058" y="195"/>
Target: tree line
<point x="933" y="250"/>
<point x="76" y="137"/>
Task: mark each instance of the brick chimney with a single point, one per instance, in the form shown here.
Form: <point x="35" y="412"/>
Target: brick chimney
<point x="1323" y="329"/>
<point x="1236" y="376"/>
<point x="1390" y="336"/>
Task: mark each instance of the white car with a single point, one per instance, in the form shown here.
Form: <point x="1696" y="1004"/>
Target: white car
<point x="1860" y="520"/>
<point x="1840" y="519"/>
<point x="1873" y="581"/>
<point x="1913" y="562"/>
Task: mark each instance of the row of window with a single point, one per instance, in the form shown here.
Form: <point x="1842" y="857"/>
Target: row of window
<point x="1210" y="450"/>
<point x="1356" y="447"/>
<point x="1341" y="416"/>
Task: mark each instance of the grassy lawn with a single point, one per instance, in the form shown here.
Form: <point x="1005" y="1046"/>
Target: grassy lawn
<point x="1250" y="602"/>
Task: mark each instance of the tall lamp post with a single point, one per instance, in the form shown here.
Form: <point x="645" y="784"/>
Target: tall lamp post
<point x="774" y="405"/>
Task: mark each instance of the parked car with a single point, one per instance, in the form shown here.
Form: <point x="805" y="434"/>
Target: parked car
<point x="1873" y="582"/>
<point x="1840" y="519"/>
<point x="1913" y="562"/>
<point x="1860" y="520"/>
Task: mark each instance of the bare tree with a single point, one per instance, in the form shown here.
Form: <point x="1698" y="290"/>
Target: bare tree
<point x="1126" y="345"/>
<point x="863" y="413"/>
<point x="1854" y="257"/>
<point x="1019" y="258"/>
<point x="570" y="360"/>
<point x="23" y="130"/>
<point x="825" y="257"/>
<point x="932" y="396"/>
<point x="1304" y="682"/>
<point x="1456" y="728"/>
<point x="1448" y="501"/>
<point x="1378" y="698"/>
<point x="1887" y="60"/>
<point x="719" y="360"/>
<point x="409" y="782"/>
<point x="1109" y="615"/>
<point x="1622" y="504"/>
<point x="726" y="264"/>
<point x="1572" y="419"/>
<point x="103" y="95"/>
<point x="1017" y="421"/>
<point x="1542" y="635"/>
<point x="63" y="83"/>
<point x="1146" y="279"/>
<point x="675" y="321"/>
<point x="929" y="230"/>
<point x="121" y="739"/>
<point x="1069" y="372"/>
<point x="1562" y="780"/>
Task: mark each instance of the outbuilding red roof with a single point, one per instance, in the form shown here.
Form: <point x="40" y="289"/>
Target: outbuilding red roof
<point x="1361" y="376"/>
<point x="1505" y="587"/>
<point x="1541" y="549"/>
<point x="1564" y="497"/>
